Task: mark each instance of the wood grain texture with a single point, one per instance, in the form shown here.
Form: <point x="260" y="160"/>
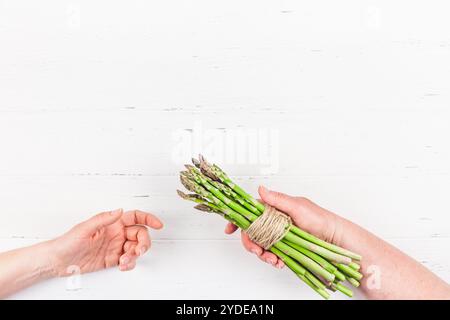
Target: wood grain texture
<point x="101" y="102"/>
<point x="206" y="269"/>
<point x="391" y="207"/>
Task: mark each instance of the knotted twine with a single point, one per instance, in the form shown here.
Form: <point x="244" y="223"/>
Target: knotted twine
<point x="269" y="228"/>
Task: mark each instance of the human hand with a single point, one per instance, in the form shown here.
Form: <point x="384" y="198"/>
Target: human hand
<point x="304" y="214"/>
<point x="106" y="240"/>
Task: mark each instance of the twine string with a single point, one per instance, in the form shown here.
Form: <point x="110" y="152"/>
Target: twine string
<point x="269" y="228"/>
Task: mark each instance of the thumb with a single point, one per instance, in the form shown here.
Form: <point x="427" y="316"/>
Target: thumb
<point x="101" y="220"/>
<point x="279" y="200"/>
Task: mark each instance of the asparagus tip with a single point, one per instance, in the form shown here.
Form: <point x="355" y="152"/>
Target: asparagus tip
<point x="187" y="183"/>
<point x="195" y="162"/>
<point x="202" y="158"/>
<point x="182" y="194"/>
<point x="187" y="175"/>
<point x="207" y="169"/>
<point x="203" y="207"/>
<point x="189" y="167"/>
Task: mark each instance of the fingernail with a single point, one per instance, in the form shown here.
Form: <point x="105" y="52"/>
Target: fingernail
<point x="142" y="251"/>
<point x="255" y="251"/>
<point x="124" y="260"/>
<point x="123" y="267"/>
<point x="115" y="212"/>
<point x="263" y="188"/>
<point x="271" y="261"/>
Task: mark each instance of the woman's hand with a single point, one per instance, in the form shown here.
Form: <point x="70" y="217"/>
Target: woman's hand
<point x="304" y="213"/>
<point x="109" y="239"/>
<point x="388" y="272"/>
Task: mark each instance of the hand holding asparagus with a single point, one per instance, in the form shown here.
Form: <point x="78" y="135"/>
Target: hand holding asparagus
<point x="321" y="265"/>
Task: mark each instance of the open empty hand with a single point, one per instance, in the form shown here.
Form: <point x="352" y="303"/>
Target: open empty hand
<point x="109" y="239"/>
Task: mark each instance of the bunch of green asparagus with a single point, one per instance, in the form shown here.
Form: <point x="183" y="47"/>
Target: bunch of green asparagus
<point x="321" y="265"/>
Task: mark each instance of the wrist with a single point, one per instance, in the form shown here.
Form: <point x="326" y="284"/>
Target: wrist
<point x="43" y="260"/>
<point x="344" y="233"/>
<point x="323" y="223"/>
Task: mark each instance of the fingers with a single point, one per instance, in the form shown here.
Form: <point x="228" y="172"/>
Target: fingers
<point x="140" y="235"/>
<point x="278" y="200"/>
<point x="252" y="247"/>
<point x="272" y="259"/>
<point x="128" y="267"/>
<point x="280" y="264"/>
<point x="128" y="245"/>
<point x="230" y="228"/>
<point x="140" y="217"/>
<point x="269" y="258"/>
<point x="262" y="254"/>
<point x="101" y="220"/>
<point x="249" y="245"/>
<point x="127" y="261"/>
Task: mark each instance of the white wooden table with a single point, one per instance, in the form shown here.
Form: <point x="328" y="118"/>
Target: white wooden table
<point x="101" y="101"/>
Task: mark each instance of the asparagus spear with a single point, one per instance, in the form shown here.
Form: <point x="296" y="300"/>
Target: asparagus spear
<point x="319" y="264"/>
<point x="300" y="271"/>
<point x="215" y="173"/>
<point x="244" y="224"/>
<point x="353" y="282"/>
<point x="349" y="271"/>
<point x="339" y="286"/>
<point x="197" y="177"/>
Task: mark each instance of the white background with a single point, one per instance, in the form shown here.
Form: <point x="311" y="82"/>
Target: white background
<point x="95" y="94"/>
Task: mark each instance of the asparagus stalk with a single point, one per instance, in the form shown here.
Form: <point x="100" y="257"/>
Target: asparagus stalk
<point x="353" y="282"/>
<point x="354" y="266"/>
<point x="216" y="196"/>
<point x="300" y="272"/>
<point x="342" y="288"/>
<point x="215" y="173"/>
<point x="197" y="177"/>
<point x="305" y="261"/>
<point x="241" y="201"/>
<point x="349" y="271"/>
<point x="317" y="263"/>
<point x="324" y="263"/>
<point x="320" y="291"/>
<point x="233" y="195"/>
<point x="308" y="262"/>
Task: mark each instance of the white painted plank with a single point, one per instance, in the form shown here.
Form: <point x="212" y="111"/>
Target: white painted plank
<point x="95" y="95"/>
<point x="207" y="270"/>
<point x="45" y="206"/>
<point x="176" y="54"/>
<point x="306" y="143"/>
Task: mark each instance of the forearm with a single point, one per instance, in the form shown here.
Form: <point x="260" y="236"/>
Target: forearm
<point x="24" y="267"/>
<point x="388" y="272"/>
